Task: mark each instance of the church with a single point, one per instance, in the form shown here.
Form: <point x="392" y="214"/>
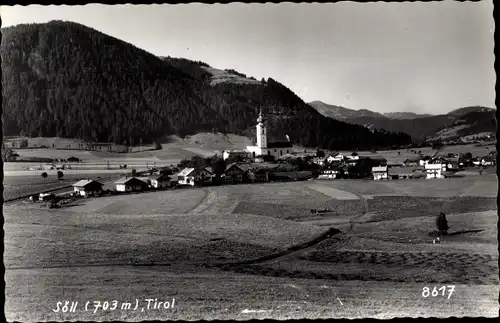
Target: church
<point x="274" y="148"/>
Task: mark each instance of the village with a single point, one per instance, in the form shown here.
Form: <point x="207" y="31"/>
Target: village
<point x="272" y="160"/>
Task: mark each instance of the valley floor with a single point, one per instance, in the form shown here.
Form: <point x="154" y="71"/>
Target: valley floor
<point x="257" y="251"/>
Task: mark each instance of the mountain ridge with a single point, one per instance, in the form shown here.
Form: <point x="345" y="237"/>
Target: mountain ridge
<point x="419" y="128"/>
<point x="65" y="79"/>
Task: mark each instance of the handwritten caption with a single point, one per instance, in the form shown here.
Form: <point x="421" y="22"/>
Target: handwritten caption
<point x="435" y="292"/>
<point x="114" y="305"/>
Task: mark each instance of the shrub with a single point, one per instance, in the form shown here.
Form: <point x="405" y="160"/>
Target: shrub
<point x="60" y="175"/>
<point x="442" y="223"/>
<point x="44" y="175"/>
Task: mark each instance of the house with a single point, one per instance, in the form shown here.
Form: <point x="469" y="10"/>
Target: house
<point x="453" y="163"/>
<point x="424" y="160"/>
<point x="234" y="173"/>
<point x="238" y="154"/>
<point x="192" y="176"/>
<point x="434" y="170"/>
<point x="318" y="161"/>
<point x="487" y="161"/>
<point x="276" y="147"/>
<point x="46" y="196"/>
<point x="412" y="162"/>
<point x="338" y="157"/>
<point x="406" y="172"/>
<point x="258" y="175"/>
<point x="130" y="184"/>
<point x="332" y="173"/>
<point x="159" y="181"/>
<point x="87" y="187"/>
<point x="73" y="160"/>
<point x="379" y="172"/>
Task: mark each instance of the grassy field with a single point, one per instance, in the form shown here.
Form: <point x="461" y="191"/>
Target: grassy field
<point x="257" y="251"/>
<point x="26" y="184"/>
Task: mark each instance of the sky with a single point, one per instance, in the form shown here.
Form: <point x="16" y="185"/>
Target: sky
<point x="386" y="57"/>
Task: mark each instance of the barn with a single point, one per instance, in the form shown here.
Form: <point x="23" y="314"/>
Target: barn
<point x="87" y="187"/>
<point x="130" y="184"/>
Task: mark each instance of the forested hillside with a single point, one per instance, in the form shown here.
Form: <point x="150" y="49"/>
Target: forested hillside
<point x="65" y="79"/>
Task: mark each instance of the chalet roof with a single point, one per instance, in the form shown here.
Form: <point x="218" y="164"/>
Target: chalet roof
<point x="129" y="180"/>
<point x="86" y="182"/>
<point x="379" y="169"/>
<point x="209" y="169"/>
<point x="241" y="166"/>
<point x="186" y="171"/>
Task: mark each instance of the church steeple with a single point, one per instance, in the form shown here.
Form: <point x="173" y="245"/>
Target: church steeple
<point x="261" y="131"/>
<point x="260" y="119"/>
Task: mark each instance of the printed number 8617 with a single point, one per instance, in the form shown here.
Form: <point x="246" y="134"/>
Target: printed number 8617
<point x="426" y="292"/>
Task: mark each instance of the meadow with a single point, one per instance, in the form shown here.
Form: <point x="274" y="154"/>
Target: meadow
<point x="257" y="251"/>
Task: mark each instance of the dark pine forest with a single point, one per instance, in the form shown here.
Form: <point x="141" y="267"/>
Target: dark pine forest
<point x="67" y="80"/>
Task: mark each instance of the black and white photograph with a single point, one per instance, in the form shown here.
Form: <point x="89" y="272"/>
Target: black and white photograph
<point x="249" y="161"/>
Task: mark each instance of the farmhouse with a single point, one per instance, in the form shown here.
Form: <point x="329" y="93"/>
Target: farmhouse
<point x="130" y="184"/>
<point x="424" y="160"/>
<point x="487" y="161"/>
<point x="405" y="172"/>
<point x="234" y="173"/>
<point x="87" y="187"/>
<point x="434" y="170"/>
<point x="159" y="181"/>
<point x="379" y="172"/>
<point x="192" y="176"/>
<point x="329" y="173"/>
<point x="73" y="160"/>
<point x="274" y="148"/>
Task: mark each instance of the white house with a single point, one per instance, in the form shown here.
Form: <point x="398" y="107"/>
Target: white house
<point x="159" y="181"/>
<point x="329" y="174"/>
<point x="379" y="172"/>
<point x="319" y="161"/>
<point x="87" y="187"/>
<point x="265" y="147"/>
<point x="191" y="176"/>
<point x="335" y="158"/>
<point x="435" y="170"/>
<point x="130" y="184"/>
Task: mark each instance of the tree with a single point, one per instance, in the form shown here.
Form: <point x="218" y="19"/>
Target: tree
<point x="60" y="175"/>
<point x="320" y="153"/>
<point x="23" y="143"/>
<point x="158" y="146"/>
<point x="354" y="154"/>
<point x="7" y="154"/>
<point x="442" y="223"/>
<point x="44" y="175"/>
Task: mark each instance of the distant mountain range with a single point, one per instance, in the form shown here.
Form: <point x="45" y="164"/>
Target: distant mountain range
<point x="459" y="122"/>
<point x="67" y="80"/>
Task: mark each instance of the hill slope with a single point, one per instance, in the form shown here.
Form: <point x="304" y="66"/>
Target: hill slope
<point x="405" y="115"/>
<point x="469" y="119"/>
<point x="341" y="113"/>
<point x="67" y="80"/>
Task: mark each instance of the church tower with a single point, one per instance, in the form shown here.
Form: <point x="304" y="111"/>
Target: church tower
<point x="261" y="132"/>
